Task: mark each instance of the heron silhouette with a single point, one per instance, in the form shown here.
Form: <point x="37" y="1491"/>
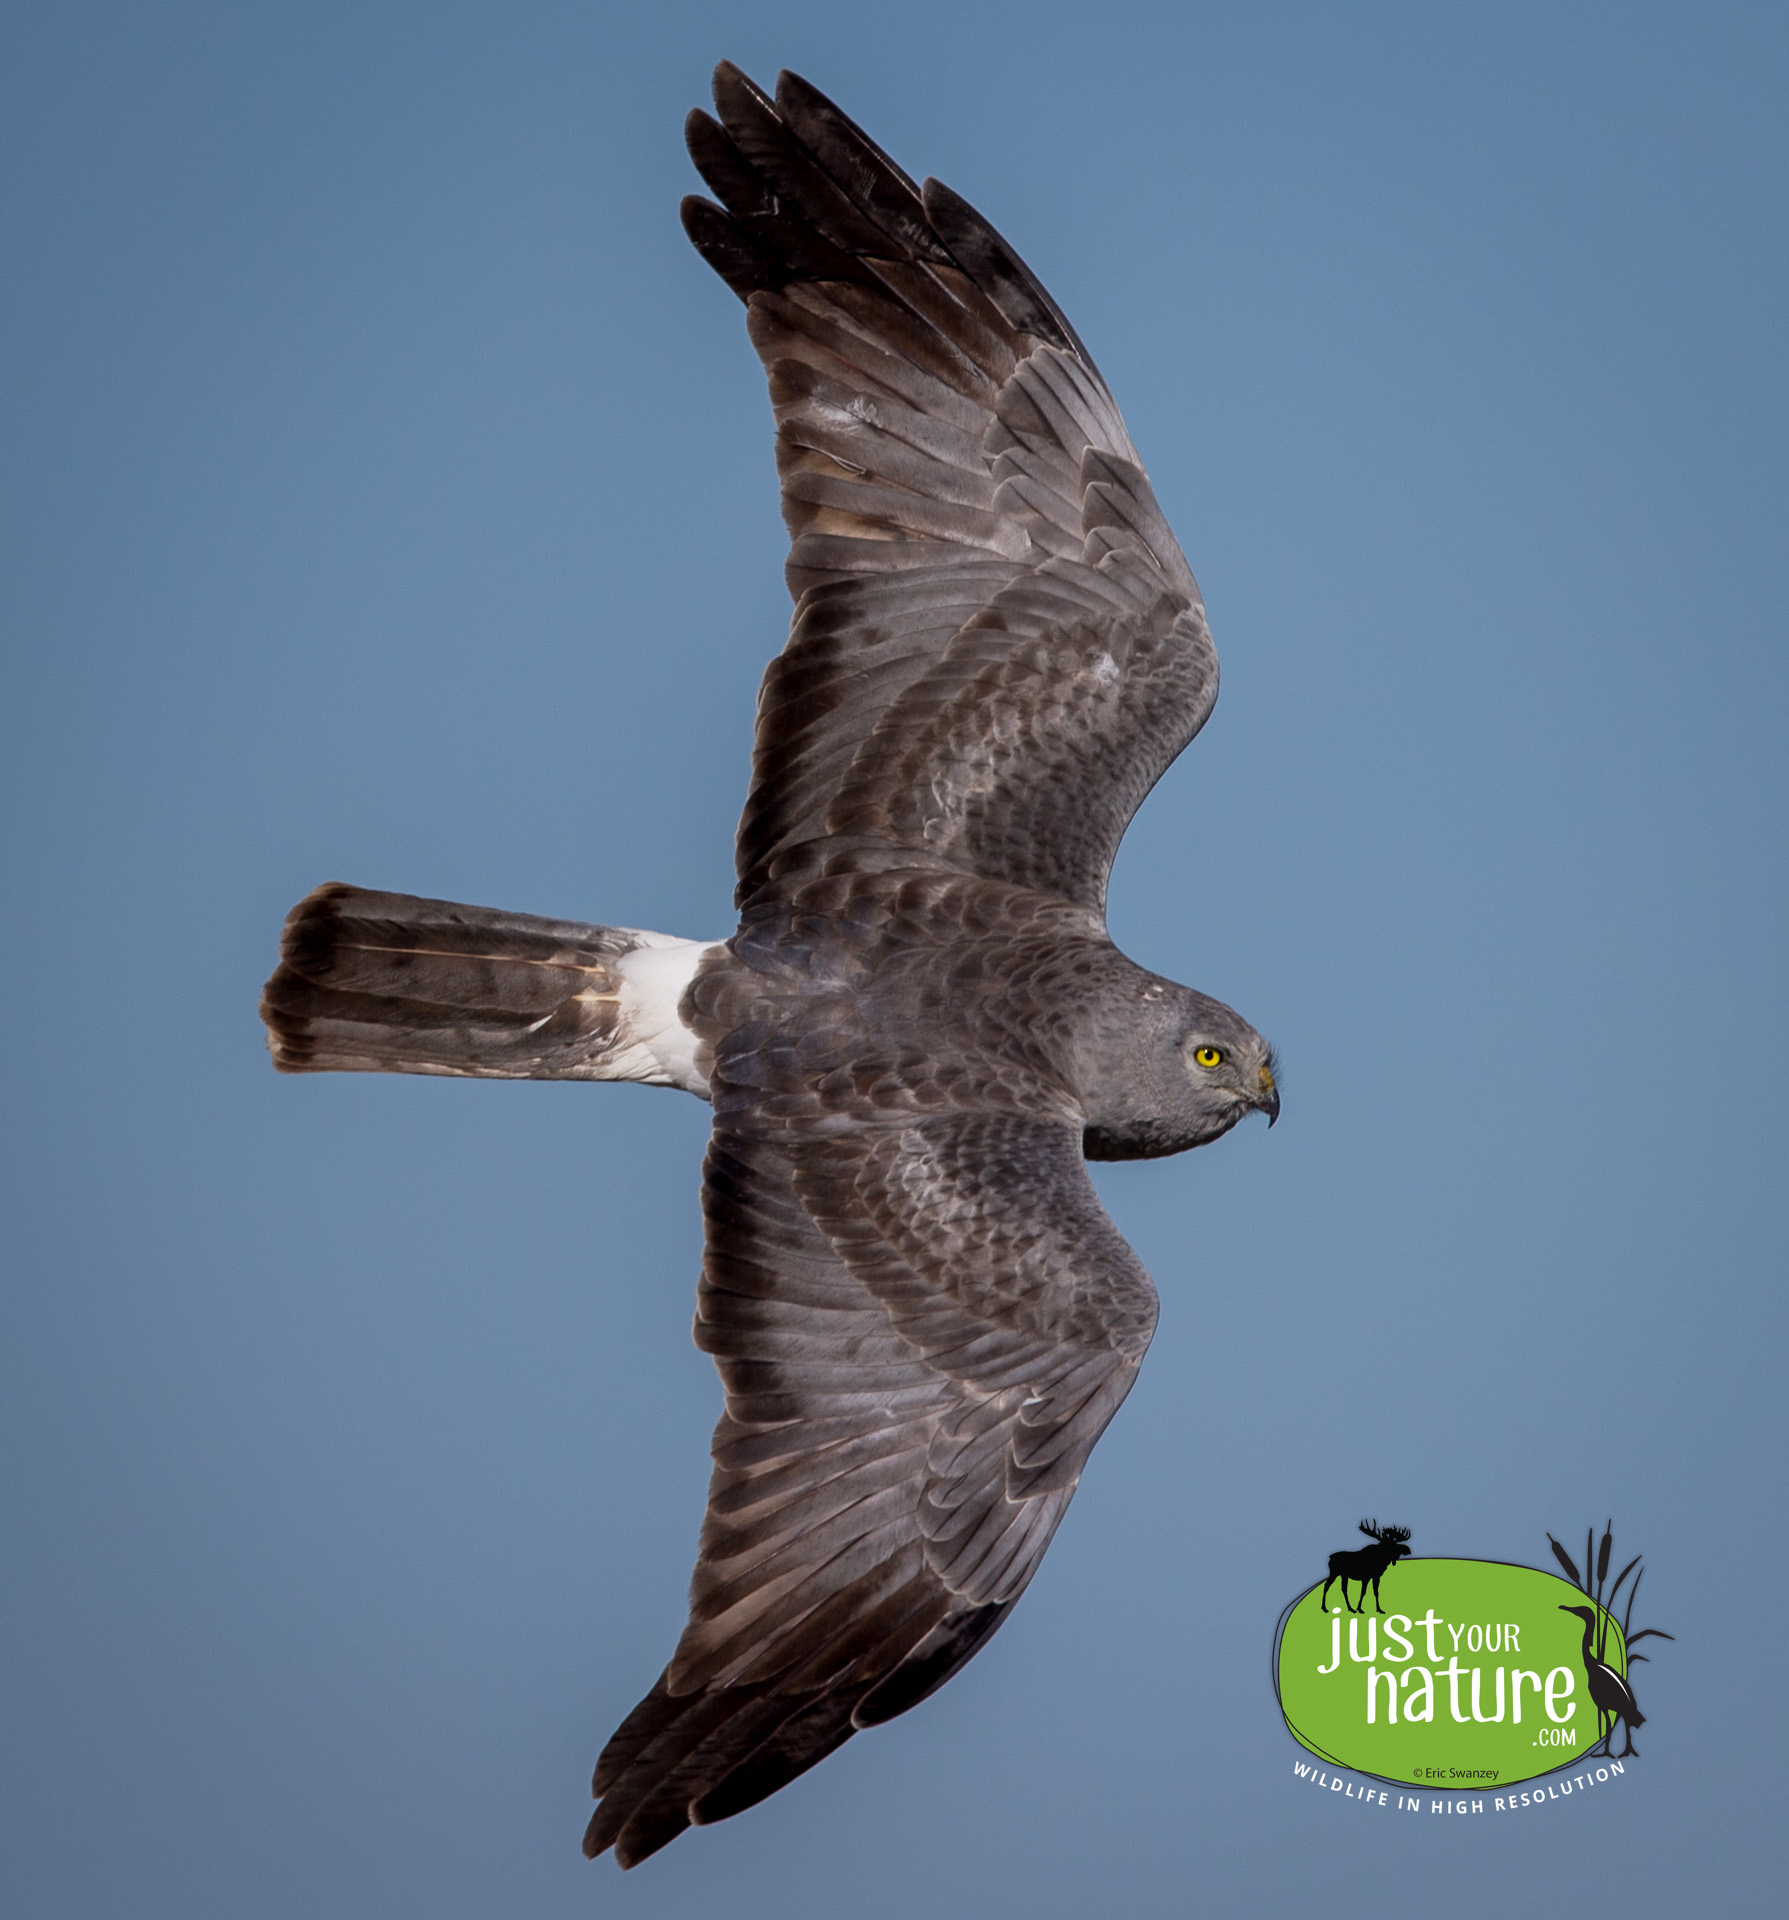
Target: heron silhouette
<point x="1609" y="1690"/>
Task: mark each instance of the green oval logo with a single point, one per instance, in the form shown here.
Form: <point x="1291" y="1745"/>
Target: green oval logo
<point x="1475" y="1675"/>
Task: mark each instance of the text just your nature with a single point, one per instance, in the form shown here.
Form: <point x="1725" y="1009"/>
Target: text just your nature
<point x="1405" y="1686"/>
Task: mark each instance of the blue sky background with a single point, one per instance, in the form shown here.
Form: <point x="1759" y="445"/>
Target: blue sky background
<point x="388" y="497"/>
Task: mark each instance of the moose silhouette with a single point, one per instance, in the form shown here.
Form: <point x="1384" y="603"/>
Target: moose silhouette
<point x="1366" y="1564"/>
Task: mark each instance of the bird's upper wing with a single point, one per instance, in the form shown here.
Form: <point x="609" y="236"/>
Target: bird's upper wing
<point x="922" y="1330"/>
<point x="998" y="647"/>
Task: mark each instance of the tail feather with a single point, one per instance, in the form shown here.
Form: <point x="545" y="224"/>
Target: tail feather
<point x="388" y="983"/>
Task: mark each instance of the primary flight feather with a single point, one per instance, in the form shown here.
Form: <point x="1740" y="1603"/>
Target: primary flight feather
<point x="921" y="1315"/>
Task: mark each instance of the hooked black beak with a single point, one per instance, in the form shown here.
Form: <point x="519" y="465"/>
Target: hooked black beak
<point x="1268" y="1098"/>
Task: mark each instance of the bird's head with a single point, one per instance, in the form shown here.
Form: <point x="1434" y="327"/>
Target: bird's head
<point x="1184" y="1071"/>
<point x="1583" y="1614"/>
<point x="1230" y="1069"/>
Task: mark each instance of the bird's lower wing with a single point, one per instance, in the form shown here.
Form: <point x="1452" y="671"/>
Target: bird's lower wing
<point x="922" y="1331"/>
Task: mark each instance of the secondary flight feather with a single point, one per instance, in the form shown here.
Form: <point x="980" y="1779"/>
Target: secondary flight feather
<point x="919" y="1031"/>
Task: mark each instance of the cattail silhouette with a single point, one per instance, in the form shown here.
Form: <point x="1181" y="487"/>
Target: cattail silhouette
<point x="1615" y="1591"/>
<point x="1645" y="1633"/>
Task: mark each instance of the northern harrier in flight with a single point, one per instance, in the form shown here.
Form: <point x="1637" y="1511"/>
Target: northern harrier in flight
<point x="921" y="1315"/>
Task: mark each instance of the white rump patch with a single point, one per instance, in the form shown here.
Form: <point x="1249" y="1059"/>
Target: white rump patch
<point x="652" y="1043"/>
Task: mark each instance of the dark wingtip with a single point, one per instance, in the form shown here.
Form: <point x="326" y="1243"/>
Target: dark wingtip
<point x="729" y="249"/>
<point x="735" y="91"/>
<point x="630" y="1847"/>
<point x="880" y="186"/>
<point x="996" y="268"/>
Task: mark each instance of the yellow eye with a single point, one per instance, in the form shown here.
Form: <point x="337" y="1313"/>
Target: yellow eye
<point x="1209" y="1057"/>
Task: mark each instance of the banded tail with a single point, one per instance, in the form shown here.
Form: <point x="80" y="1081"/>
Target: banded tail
<point x="388" y="983"/>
